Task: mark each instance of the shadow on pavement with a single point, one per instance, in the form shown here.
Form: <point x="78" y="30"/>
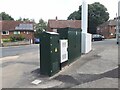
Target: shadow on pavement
<point x="78" y="79"/>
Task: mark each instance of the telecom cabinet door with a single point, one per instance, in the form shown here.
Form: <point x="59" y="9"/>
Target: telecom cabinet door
<point x="63" y="50"/>
<point x="78" y="44"/>
<point x="71" y="45"/>
<point x="55" y="58"/>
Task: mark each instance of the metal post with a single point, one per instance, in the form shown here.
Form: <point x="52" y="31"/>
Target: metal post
<point x="84" y="16"/>
<point x="86" y="37"/>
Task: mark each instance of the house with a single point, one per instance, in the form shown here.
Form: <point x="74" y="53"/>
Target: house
<point x="16" y="28"/>
<point x="53" y="25"/>
<point x="107" y="29"/>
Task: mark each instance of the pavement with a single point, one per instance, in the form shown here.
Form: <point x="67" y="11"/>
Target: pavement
<point x="97" y="69"/>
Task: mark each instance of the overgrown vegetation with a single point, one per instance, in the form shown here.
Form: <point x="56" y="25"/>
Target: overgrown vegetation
<point x="6" y="40"/>
<point x="40" y="27"/>
<point x="16" y="38"/>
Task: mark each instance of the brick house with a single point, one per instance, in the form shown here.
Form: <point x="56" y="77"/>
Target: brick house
<point x="107" y="29"/>
<point x="11" y="28"/>
<point x="53" y="25"/>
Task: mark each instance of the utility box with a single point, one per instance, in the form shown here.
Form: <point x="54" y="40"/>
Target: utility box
<point x="73" y="35"/>
<point x="49" y="53"/>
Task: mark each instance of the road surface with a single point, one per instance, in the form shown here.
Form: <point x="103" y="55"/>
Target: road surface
<point x="97" y="69"/>
<point x="17" y="50"/>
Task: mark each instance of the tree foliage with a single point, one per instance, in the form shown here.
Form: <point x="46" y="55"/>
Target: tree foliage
<point x="5" y="16"/>
<point x="40" y="27"/>
<point x="97" y="14"/>
<point x="26" y="19"/>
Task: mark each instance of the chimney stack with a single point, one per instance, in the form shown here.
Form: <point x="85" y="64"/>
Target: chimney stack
<point x="56" y="18"/>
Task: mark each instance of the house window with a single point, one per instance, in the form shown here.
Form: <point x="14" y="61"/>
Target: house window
<point x="5" y="32"/>
<point x="55" y="30"/>
<point x="27" y="32"/>
<point x="111" y="33"/>
<point x="98" y="28"/>
<point x="16" y="32"/>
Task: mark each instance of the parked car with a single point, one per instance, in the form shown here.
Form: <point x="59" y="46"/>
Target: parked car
<point x="36" y="40"/>
<point x="97" y="37"/>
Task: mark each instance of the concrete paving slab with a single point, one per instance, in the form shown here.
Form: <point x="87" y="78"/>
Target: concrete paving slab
<point x="97" y="67"/>
<point x="101" y="83"/>
<point x="108" y="60"/>
<point x="47" y="84"/>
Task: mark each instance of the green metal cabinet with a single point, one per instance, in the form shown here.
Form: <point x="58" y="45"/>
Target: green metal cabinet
<point x="49" y="53"/>
<point x="74" y="41"/>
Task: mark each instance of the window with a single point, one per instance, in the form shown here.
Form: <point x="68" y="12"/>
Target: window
<point x="98" y="28"/>
<point x="27" y="32"/>
<point x="54" y="30"/>
<point x="111" y="33"/>
<point x="5" y="32"/>
<point x="16" y="32"/>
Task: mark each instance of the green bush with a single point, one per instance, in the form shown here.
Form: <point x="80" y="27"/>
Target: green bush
<point x="6" y="40"/>
<point x="12" y="39"/>
<point x="16" y="38"/>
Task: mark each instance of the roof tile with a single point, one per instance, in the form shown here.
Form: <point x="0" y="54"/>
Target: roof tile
<point x="10" y="25"/>
<point x="64" y="23"/>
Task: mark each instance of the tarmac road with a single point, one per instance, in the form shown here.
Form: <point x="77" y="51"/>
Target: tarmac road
<point x="17" y="50"/>
<point x="97" y="69"/>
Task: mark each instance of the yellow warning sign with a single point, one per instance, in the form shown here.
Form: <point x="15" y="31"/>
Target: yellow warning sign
<point x="56" y="50"/>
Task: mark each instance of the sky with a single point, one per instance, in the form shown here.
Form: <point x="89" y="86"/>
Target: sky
<point x="49" y="9"/>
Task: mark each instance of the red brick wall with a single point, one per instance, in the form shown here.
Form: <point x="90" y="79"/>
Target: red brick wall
<point x="48" y="28"/>
<point x="30" y="35"/>
<point x="0" y="36"/>
<point x="7" y="36"/>
<point x="106" y="31"/>
<point x="112" y="30"/>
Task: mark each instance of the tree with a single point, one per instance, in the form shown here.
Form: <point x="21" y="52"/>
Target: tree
<point x="40" y="27"/>
<point x="26" y="19"/>
<point x="20" y="19"/>
<point x="5" y="16"/>
<point x="97" y="14"/>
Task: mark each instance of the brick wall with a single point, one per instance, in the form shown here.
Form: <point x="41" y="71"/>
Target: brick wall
<point x="107" y="31"/>
<point x="112" y="31"/>
<point x="27" y="34"/>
